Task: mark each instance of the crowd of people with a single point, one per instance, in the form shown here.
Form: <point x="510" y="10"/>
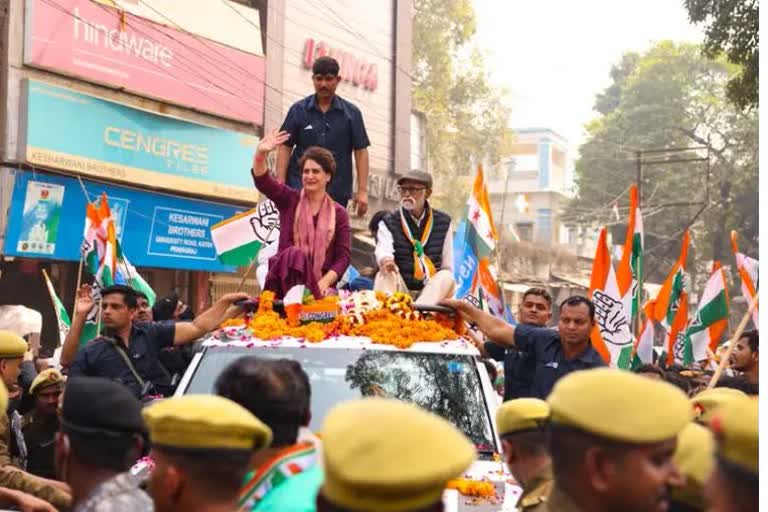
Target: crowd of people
<point x="602" y="440"/>
<point x="576" y="436"/>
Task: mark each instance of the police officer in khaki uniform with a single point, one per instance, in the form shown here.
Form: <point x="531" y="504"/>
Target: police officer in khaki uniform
<point x="40" y="425"/>
<point x="734" y="483"/>
<point x="613" y="435"/>
<point x="706" y="402"/>
<point x="12" y="349"/>
<point x="522" y="425"/>
<point x="694" y="457"/>
<point x="202" y="447"/>
<point x="386" y="455"/>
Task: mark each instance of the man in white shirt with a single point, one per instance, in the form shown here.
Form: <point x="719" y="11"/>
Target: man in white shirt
<point x="414" y="247"/>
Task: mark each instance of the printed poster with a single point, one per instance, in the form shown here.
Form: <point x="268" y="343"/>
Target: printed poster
<point x="40" y="218"/>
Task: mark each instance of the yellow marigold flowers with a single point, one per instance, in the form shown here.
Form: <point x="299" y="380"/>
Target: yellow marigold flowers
<point x="474" y="488"/>
<point x="393" y="321"/>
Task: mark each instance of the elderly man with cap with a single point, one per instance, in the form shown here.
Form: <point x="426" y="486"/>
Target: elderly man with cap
<point x="734" y="483"/>
<point x="99" y="440"/>
<point x="40" y="425"/>
<point x="12" y="476"/>
<point x="695" y="458"/>
<point x="609" y="451"/>
<point x="522" y="425"/>
<point x="382" y="454"/>
<point x="202" y="446"/>
<point x="414" y="244"/>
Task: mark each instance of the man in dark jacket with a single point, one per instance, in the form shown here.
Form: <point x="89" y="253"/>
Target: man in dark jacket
<point x="414" y="244"/>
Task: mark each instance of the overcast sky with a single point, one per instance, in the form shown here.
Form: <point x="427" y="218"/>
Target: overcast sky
<point x="555" y="55"/>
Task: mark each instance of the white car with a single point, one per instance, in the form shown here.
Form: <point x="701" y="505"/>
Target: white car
<point x="446" y="378"/>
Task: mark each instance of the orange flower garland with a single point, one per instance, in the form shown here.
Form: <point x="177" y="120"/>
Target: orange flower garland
<point x="400" y="326"/>
<point x="474" y="488"/>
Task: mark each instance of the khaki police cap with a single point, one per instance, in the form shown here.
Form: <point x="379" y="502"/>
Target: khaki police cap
<point x="695" y="458"/>
<point x="708" y="401"/>
<point x="521" y="414"/>
<point x="386" y="455"/>
<point x="604" y="402"/>
<point x="46" y="378"/>
<point x="205" y="421"/>
<point x="11" y="345"/>
<point x="735" y="428"/>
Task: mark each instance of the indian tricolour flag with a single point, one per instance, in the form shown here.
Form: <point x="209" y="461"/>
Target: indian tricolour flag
<point x="707" y="328"/>
<point x="748" y="270"/>
<point x="236" y="240"/>
<point x="128" y="275"/>
<point x="611" y="335"/>
<point x="671" y="308"/>
<point x="62" y="317"/>
<point x="630" y="270"/>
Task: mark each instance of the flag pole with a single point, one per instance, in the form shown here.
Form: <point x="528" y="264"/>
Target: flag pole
<point x="247" y="273"/>
<point x="77" y="286"/>
<point x="254" y="261"/>
<point x="732" y="343"/>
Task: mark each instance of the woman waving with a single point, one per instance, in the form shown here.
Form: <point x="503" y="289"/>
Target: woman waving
<point x="315" y="237"/>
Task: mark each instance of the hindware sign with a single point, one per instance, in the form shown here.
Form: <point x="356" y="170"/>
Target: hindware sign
<point x="93" y="42"/>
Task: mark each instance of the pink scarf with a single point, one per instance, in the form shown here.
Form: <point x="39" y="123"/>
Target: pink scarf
<point x="314" y="241"/>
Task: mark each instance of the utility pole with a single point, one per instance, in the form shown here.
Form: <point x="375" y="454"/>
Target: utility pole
<point x="510" y="166"/>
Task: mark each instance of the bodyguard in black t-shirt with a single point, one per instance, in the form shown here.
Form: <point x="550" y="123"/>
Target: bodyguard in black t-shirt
<point x="554" y="353"/>
<point x="129" y="351"/>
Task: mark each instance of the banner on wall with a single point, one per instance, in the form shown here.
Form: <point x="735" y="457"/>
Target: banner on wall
<point x="157" y="230"/>
<point x="69" y="130"/>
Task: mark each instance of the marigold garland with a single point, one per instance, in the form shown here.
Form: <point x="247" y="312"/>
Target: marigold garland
<point x="474" y="488"/>
<point x="395" y="322"/>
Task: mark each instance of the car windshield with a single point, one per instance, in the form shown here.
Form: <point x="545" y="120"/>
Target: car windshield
<point x="446" y="384"/>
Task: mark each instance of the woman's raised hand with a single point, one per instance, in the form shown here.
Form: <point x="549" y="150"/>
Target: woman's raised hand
<point x="272" y="139"/>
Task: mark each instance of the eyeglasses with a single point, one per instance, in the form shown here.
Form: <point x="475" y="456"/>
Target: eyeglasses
<point x="410" y="190"/>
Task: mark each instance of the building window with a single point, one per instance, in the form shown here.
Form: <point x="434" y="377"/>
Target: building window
<point x="524" y="231"/>
<point x="544" y="225"/>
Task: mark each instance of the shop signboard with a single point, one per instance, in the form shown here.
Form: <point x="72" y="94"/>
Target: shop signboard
<point x="118" y="49"/>
<point x="84" y="134"/>
<point x="47" y="217"/>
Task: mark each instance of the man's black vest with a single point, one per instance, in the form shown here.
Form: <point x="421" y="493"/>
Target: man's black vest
<point x="404" y="248"/>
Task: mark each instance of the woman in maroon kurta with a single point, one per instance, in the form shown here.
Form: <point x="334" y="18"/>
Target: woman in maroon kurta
<point x="315" y="238"/>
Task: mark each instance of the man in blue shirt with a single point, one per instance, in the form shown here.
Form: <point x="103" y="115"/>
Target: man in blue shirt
<point x="554" y="353"/>
<point x="326" y="120"/>
<point x="536" y="310"/>
<point x="129" y="351"/>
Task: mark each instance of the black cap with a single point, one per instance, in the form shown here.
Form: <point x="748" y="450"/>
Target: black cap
<point x="418" y="177"/>
<point x="93" y="406"/>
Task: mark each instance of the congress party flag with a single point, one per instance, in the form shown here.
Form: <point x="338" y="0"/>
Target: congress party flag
<point x="706" y="329"/>
<point x="62" y="317"/>
<point x="629" y="273"/>
<point x="239" y="239"/>
<point x="671" y="308"/>
<point x="748" y="271"/>
<point x="611" y="334"/>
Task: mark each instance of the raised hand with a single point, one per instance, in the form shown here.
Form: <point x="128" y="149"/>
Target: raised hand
<point x="85" y="302"/>
<point x="271" y="140"/>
